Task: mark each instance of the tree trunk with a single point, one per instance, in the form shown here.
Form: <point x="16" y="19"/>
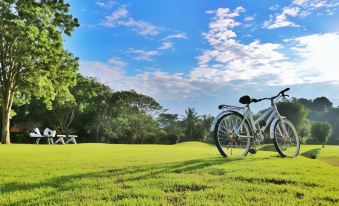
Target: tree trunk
<point x="5" y="127"/>
<point x="6" y="112"/>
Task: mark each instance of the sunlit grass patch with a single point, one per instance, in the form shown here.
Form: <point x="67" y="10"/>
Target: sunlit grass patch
<point x="189" y="173"/>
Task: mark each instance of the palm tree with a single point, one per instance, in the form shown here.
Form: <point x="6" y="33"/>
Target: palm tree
<point x="190" y="120"/>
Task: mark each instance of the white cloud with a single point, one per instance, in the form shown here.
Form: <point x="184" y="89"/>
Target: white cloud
<point x="166" y="45"/>
<point x="318" y="57"/>
<point x="252" y="65"/>
<point x="107" y="4"/>
<point x="158" y="84"/>
<point x="230" y="60"/>
<point x="103" y="71"/>
<point x="249" y="18"/>
<point x="143" y="55"/>
<point x="282" y="20"/>
<point x="117" y="62"/>
<point x="112" y="20"/>
<point x="274" y="7"/>
<point x="148" y="55"/>
<point x="300" y="2"/>
<point x="300" y="8"/>
<point x="176" y="36"/>
<point x="120" y="17"/>
<point x="229" y="63"/>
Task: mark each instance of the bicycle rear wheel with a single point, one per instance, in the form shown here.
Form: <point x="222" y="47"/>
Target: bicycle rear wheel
<point x="286" y="143"/>
<point x="232" y="135"/>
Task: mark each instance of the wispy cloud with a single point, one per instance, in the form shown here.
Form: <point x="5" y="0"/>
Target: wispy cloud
<point x="107" y="4"/>
<point x="282" y="20"/>
<point x="250" y="18"/>
<point x="299" y="8"/>
<point x="151" y="83"/>
<point x="120" y="17"/>
<point x="117" y="63"/>
<point x="148" y="55"/>
<point x="143" y="55"/>
<point x="176" y="36"/>
<point x="166" y="45"/>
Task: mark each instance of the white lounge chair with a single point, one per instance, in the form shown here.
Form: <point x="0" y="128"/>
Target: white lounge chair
<point x="36" y="134"/>
<point x="47" y="134"/>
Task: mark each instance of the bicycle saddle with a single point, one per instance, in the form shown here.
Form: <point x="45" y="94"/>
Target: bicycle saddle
<point x="245" y="99"/>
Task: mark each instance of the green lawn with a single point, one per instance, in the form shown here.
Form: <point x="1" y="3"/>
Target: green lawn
<point x="188" y="173"/>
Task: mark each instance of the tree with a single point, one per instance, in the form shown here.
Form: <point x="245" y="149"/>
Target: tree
<point x="143" y="126"/>
<point x="139" y="111"/>
<point x="62" y="116"/>
<point x="321" y="131"/>
<point x="190" y="121"/>
<point x="139" y="102"/>
<point x="171" y="124"/>
<point x="32" y="58"/>
<point x="321" y="104"/>
<point x="94" y="109"/>
<point x="297" y="113"/>
<point x="206" y="122"/>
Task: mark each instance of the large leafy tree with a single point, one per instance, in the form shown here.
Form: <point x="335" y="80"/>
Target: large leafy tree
<point x="89" y="98"/>
<point x="321" y="131"/>
<point x="136" y="111"/>
<point x="321" y="104"/>
<point x="297" y="113"/>
<point x="172" y="126"/>
<point x="33" y="61"/>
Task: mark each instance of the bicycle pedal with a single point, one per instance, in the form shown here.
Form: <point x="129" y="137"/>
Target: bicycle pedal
<point x="252" y="150"/>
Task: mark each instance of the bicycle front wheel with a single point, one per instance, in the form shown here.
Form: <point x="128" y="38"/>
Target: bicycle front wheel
<point x="286" y="141"/>
<point x="232" y="135"/>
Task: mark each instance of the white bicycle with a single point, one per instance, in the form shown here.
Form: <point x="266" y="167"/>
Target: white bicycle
<point x="235" y="130"/>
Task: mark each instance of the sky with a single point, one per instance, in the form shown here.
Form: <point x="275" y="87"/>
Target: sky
<point x="204" y="53"/>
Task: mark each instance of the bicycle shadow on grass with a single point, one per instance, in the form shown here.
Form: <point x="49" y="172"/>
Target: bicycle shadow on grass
<point x="312" y="154"/>
<point x="61" y="184"/>
<point x="268" y="148"/>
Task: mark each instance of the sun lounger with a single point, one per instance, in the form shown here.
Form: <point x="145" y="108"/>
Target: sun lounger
<point x="49" y="134"/>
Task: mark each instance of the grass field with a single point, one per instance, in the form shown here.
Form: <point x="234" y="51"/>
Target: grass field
<point x="188" y="173"/>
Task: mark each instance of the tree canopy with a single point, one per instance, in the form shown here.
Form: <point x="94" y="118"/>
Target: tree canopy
<point x="321" y="131"/>
<point x="33" y="61"/>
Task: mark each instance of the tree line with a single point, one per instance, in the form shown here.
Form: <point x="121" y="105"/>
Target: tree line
<point x="97" y="114"/>
<point x="316" y="120"/>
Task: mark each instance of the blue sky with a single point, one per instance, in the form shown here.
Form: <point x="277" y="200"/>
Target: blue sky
<point x="204" y="53"/>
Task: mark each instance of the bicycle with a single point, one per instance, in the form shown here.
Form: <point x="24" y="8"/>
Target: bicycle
<point x="235" y="129"/>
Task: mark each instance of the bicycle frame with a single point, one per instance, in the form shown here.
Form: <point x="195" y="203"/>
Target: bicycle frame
<point x="267" y="116"/>
<point x="270" y="116"/>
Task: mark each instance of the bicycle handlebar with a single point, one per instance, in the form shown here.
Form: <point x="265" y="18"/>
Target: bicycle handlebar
<point x="282" y="93"/>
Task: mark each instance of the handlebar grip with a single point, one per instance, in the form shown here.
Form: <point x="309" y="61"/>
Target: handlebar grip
<point x="285" y="90"/>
